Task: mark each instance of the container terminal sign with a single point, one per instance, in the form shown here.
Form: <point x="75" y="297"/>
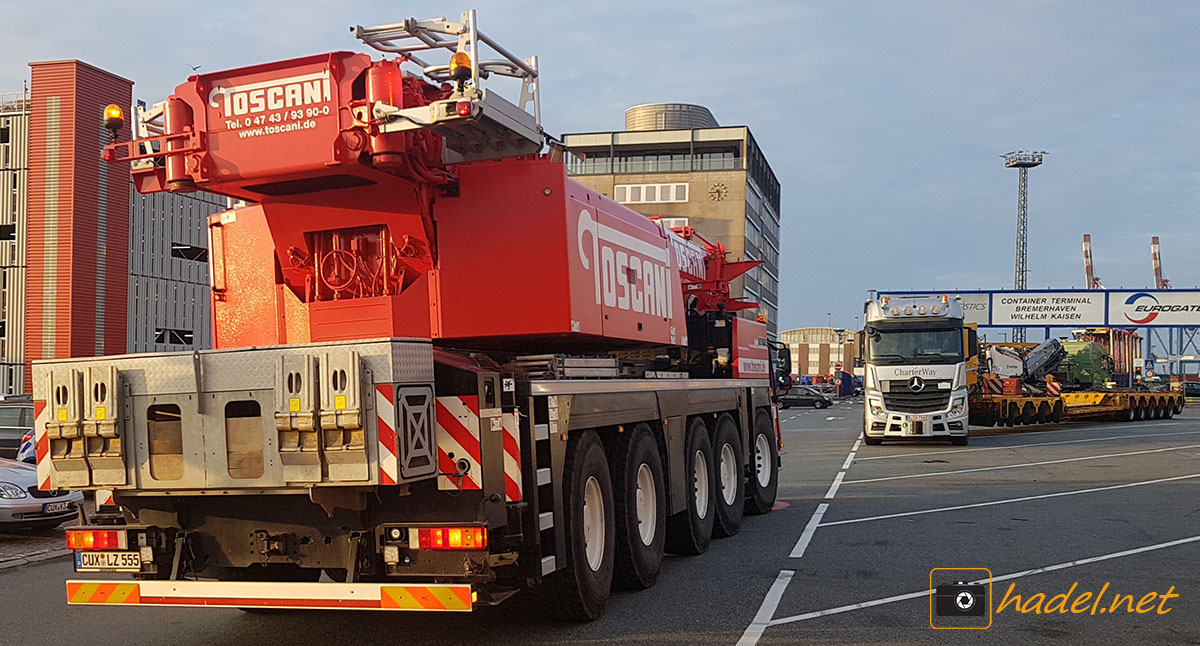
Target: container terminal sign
<point x="1078" y="308"/>
<point x="1053" y="309"/>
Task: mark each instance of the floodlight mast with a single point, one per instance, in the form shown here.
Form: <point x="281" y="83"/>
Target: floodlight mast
<point x="1023" y="161"/>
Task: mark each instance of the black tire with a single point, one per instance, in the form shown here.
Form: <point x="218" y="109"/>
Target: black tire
<point x="872" y="441"/>
<point x="1168" y="410"/>
<point x="638" y="561"/>
<point x="760" y="498"/>
<point x="1043" y="413"/>
<point x="821" y="404"/>
<point x="729" y="468"/>
<point x="580" y="589"/>
<point x="1027" y="414"/>
<point x="1137" y="411"/>
<point x="690" y="531"/>
<point x="1158" y="410"/>
<point x="1057" y="415"/>
<point x="959" y="440"/>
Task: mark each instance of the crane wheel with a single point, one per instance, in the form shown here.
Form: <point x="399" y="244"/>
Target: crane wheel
<point x="690" y="531"/>
<point x="762" y="483"/>
<point x="640" y="508"/>
<point x="730" y="478"/>
<point x="1043" y="413"/>
<point x="582" y="587"/>
<point x="1057" y="415"/>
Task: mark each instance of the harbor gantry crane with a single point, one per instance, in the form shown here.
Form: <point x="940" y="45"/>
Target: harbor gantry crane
<point x="1093" y="282"/>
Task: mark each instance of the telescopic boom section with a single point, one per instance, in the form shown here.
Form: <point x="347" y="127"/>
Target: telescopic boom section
<point x="1092" y="281"/>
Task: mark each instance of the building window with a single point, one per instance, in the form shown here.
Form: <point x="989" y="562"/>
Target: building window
<point x="753" y="237"/>
<point x="650" y="193"/>
<point x="8" y="232"/>
<point x="4" y="135"/>
<point x="673" y="223"/>
<point x="188" y="252"/>
<point x="173" y="337"/>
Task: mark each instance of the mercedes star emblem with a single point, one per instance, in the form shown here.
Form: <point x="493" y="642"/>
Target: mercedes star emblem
<point x="916" y="384"/>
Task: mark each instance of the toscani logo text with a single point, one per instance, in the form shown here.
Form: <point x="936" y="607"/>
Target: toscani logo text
<point x="1086" y="602"/>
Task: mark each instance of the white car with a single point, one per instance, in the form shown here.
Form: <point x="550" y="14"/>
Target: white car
<point x="23" y="505"/>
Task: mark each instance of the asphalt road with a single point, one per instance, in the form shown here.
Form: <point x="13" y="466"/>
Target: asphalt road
<point x="1052" y="506"/>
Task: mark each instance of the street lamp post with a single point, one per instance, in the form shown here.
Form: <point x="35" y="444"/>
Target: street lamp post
<point x="829" y="316"/>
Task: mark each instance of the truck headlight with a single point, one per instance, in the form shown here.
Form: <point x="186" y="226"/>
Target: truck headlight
<point x="958" y="406"/>
<point x="876" y="407"/>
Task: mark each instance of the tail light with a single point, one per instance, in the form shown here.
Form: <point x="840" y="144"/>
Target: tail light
<point x="452" y="538"/>
<point x="97" y="539"/>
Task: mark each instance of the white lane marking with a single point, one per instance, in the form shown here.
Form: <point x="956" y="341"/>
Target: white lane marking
<point x="1022" y="446"/>
<point x="1006" y="577"/>
<point x="762" y="618"/>
<point x="1027" y="464"/>
<point x="860" y="436"/>
<point x="809" y="529"/>
<point x="857" y="443"/>
<point x="849" y="459"/>
<point x="837" y="482"/>
<point x="1007" y="501"/>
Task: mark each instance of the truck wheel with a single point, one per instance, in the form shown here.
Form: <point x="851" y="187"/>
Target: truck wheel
<point x="763" y="483"/>
<point x="690" y="531"/>
<point x="872" y="441"/>
<point x="1057" y="415"/>
<point x="641" y="509"/>
<point x="729" y="469"/>
<point x="959" y="440"/>
<point x="1043" y="414"/>
<point x="1027" y="414"/>
<point x="583" y="586"/>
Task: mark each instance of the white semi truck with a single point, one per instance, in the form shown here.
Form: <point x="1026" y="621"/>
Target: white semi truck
<point x="915" y="351"/>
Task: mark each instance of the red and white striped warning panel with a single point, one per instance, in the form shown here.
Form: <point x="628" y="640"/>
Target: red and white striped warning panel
<point x="251" y="594"/>
<point x="993" y="385"/>
<point x="1053" y="388"/>
<point x="104" y="497"/>
<point x="41" y="444"/>
<point x="458" y="441"/>
<point x="512" y="457"/>
<point x="385" y="412"/>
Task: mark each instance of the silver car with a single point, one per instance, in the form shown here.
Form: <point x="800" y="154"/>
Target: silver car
<point x="23" y="505"/>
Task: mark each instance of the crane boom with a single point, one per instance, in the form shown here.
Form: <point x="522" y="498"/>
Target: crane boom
<point x="1156" y="259"/>
<point x="1092" y="281"/>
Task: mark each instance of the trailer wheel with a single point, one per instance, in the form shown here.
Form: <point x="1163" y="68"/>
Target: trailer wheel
<point x="1013" y="417"/>
<point x="1158" y="409"/>
<point x="762" y="485"/>
<point x="1136" y="409"/>
<point x="583" y="586"/>
<point x="729" y="471"/>
<point x="1043" y="414"/>
<point x="690" y="531"/>
<point x="1027" y="414"/>
<point x="1168" y="410"/>
<point x="641" y="509"/>
<point x="1057" y="415"/>
<point x="1179" y="403"/>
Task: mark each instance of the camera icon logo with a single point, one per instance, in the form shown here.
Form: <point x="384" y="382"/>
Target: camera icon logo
<point x="963" y="604"/>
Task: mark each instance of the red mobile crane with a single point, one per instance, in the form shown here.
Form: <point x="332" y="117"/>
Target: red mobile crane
<point x="443" y="371"/>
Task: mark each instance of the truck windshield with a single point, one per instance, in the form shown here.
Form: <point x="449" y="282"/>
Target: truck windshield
<point x="939" y="345"/>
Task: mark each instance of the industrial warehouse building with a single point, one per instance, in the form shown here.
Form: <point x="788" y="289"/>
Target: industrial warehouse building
<point x="675" y="161"/>
<point x="89" y="266"/>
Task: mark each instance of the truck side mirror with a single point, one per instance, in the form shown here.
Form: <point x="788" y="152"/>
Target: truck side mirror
<point x="972" y="342"/>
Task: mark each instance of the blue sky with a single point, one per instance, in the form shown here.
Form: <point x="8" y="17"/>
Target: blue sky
<point x="883" y="120"/>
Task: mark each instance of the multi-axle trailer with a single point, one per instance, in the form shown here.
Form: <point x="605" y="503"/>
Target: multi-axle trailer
<point x="443" y="371"/>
